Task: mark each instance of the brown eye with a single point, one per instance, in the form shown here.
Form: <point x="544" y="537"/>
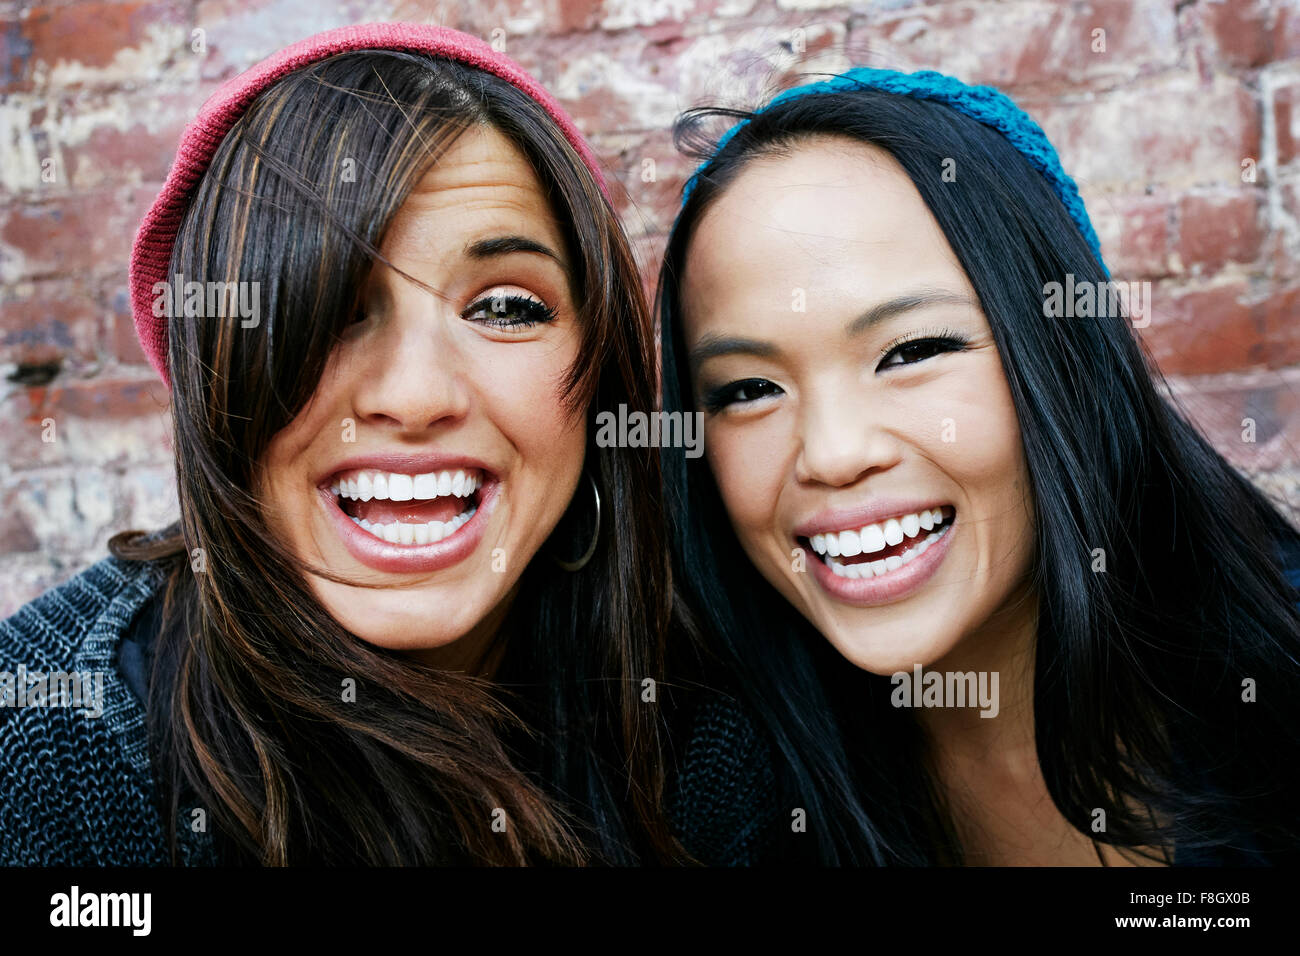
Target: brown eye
<point x="918" y="350"/>
<point x="739" y="393"/>
<point x="509" y="311"/>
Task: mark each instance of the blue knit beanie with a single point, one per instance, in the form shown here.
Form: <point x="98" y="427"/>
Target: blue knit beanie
<point x="983" y="103"/>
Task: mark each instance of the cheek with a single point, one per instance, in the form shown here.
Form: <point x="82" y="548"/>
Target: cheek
<point x="749" y="465"/>
<point x="967" y="424"/>
<point x="521" y="390"/>
<point x="315" y="431"/>
<point x="985" y="460"/>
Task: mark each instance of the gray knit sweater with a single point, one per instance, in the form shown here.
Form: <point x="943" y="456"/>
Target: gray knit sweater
<point x="78" y="789"/>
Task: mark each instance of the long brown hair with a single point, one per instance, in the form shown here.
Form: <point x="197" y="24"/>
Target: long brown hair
<point x="245" y="707"/>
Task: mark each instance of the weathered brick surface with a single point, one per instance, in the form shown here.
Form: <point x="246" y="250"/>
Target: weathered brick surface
<point x="1180" y="119"/>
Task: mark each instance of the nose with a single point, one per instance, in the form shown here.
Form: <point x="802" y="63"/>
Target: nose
<point x="413" y="377"/>
<point x="841" y="442"/>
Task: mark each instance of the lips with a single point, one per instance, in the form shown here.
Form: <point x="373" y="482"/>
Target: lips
<point x="880" y="553"/>
<point x="404" y="513"/>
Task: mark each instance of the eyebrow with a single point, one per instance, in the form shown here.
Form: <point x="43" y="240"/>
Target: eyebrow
<point x="713" y="346"/>
<point x="506" y="245"/>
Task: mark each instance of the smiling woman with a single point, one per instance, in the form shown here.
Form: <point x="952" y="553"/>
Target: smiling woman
<point x="394" y="624"/>
<point x="912" y="466"/>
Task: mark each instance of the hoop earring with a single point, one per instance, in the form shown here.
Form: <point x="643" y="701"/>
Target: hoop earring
<point x="595" y="538"/>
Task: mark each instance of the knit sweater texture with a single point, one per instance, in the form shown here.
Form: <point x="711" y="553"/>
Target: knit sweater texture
<point x="79" y="790"/>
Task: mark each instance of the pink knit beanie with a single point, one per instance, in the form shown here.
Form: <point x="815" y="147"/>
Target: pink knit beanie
<point x="151" y="253"/>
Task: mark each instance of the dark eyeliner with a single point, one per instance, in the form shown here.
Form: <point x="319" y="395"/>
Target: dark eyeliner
<point x="947" y="339"/>
<point x="533" y="311"/>
<point x="716" y="399"/>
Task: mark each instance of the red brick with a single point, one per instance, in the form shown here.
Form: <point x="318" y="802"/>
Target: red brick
<point x="1286" y="116"/>
<point x="1023" y="45"/>
<point x="646" y="196"/>
<point x="72" y="234"/>
<point x="1141" y="248"/>
<point x="49" y="323"/>
<point x="15" y="55"/>
<point x="1283" y="252"/>
<point x="1242" y="33"/>
<point x="639" y="80"/>
<point x="97" y="422"/>
<point x="135" y="149"/>
<point x="1173" y="132"/>
<point x="123" y="342"/>
<point x="90" y="34"/>
<point x="1220" y="328"/>
<point x="16" y="534"/>
<point x="1279" y="314"/>
<point x="1271" y="400"/>
<point x="1218" y="228"/>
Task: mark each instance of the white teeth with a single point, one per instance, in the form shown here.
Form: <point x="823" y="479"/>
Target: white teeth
<point x="893" y="531"/>
<point x="401" y="532"/>
<point x="400" y="487"/>
<point x="870" y="569"/>
<point x="873" y="539"/>
<point x="395" y="486"/>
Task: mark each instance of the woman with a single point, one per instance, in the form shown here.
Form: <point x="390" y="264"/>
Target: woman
<point x="1020" y="611"/>
<point x="410" y="609"/>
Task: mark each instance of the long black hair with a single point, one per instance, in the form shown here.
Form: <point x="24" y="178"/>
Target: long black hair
<point x="1144" y="674"/>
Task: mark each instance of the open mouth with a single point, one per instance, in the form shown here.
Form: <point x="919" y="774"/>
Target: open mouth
<point x="877" y="549"/>
<point x="408" y="509"/>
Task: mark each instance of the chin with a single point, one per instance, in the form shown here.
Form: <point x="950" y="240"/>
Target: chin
<point x="891" y="648"/>
<point x="403" y="620"/>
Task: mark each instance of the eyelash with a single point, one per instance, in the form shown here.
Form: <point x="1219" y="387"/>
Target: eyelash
<point x="944" y="340"/>
<point x="534" y="312"/>
<point x="715" y="400"/>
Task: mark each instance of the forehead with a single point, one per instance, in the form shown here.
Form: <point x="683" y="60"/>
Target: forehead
<point x="829" y="216"/>
<point x="481" y="184"/>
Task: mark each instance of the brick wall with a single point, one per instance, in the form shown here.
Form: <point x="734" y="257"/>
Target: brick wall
<point x="1181" y="124"/>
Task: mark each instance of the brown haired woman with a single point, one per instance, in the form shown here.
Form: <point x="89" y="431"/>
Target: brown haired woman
<point x="411" y="612"/>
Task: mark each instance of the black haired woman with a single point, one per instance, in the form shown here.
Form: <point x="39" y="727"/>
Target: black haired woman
<point x="410" y="610"/>
<point x="989" y="597"/>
